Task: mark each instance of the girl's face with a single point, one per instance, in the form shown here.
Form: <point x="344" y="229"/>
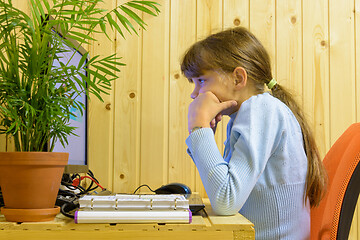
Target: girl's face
<point x="220" y="84"/>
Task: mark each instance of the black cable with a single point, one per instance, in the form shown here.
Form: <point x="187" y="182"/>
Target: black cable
<point x="82" y="190"/>
<point x="76" y="175"/>
<point x="66" y="208"/>
<point x="68" y="200"/>
<point x="67" y="193"/>
<point x="91" y="174"/>
<point x="144" y="185"/>
<point x="89" y="188"/>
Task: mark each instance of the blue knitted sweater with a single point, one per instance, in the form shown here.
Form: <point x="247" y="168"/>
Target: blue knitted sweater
<point x="262" y="172"/>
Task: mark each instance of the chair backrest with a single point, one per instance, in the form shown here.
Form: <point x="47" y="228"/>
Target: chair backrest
<point x="332" y="218"/>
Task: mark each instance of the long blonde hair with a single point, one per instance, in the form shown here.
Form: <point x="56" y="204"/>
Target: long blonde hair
<point x="235" y="47"/>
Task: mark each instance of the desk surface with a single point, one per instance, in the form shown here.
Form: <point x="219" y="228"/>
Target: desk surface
<point x="206" y="225"/>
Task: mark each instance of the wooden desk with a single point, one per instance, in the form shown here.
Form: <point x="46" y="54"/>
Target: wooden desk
<point x="205" y="226"/>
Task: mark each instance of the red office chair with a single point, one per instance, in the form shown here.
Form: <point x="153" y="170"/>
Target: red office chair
<point x="332" y="218"/>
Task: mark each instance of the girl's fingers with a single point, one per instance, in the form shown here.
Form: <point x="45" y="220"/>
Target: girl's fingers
<point x="213" y="123"/>
<point x="227" y="104"/>
<point x="218" y="117"/>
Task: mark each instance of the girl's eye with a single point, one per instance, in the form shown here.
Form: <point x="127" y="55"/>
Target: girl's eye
<point x="201" y="80"/>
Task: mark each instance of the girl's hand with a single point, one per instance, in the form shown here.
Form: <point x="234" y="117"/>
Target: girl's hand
<point x="206" y="109"/>
<point x="215" y="121"/>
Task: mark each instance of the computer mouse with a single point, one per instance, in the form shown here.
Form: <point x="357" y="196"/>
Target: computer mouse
<point x="173" y="188"/>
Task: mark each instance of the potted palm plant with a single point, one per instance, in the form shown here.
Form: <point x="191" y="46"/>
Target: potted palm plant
<point x="37" y="96"/>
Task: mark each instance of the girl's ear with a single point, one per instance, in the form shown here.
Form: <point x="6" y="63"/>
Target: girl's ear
<point x="240" y="77"/>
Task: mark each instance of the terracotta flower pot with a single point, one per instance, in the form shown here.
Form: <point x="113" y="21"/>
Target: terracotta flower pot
<point x="30" y="182"/>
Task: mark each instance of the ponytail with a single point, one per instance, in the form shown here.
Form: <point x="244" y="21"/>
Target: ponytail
<point x="316" y="178"/>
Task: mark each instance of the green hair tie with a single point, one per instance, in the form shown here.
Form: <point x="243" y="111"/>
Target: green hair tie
<point x="272" y="83"/>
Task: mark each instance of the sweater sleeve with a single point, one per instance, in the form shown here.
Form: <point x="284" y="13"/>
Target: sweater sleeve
<point x="252" y="141"/>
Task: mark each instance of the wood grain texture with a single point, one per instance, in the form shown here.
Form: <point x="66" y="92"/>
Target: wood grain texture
<point x="3" y="143"/>
<point x="101" y="118"/>
<point x="289" y="46"/>
<point x="263" y="26"/>
<point x="154" y="141"/>
<point x="342" y="67"/>
<point x="182" y="35"/>
<point x="236" y="13"/>
<point x="127" y="92"/>
<point x="316" y="70"/>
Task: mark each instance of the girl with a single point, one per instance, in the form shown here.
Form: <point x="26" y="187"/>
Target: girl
<point x="270" y="171"/>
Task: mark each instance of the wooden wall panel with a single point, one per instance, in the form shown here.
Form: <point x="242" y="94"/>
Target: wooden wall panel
<point x="2" y="144"/>
<point x="236" y="13"/>
<point x="154" y="100"/>
<point x="182" y="35"/>
<point x="316" y="70"/>
<point x="263" y="26"/>
<point x="342" y="67"/>
<point x="289" y="46"/>
<point x="127" y="91"/>
<point x="209" y="18"/>
<point x="100" y="119"/>
<point x="10" y="147"/>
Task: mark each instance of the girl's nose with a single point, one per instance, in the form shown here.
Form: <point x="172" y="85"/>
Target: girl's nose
<point x="195" y="93"/>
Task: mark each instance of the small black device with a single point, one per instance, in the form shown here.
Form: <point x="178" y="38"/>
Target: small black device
<point x="195" y="202"/>
<point x="173" y="188"/>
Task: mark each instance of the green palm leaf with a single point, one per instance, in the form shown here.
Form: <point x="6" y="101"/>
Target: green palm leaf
<point x="36" y="97"/>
